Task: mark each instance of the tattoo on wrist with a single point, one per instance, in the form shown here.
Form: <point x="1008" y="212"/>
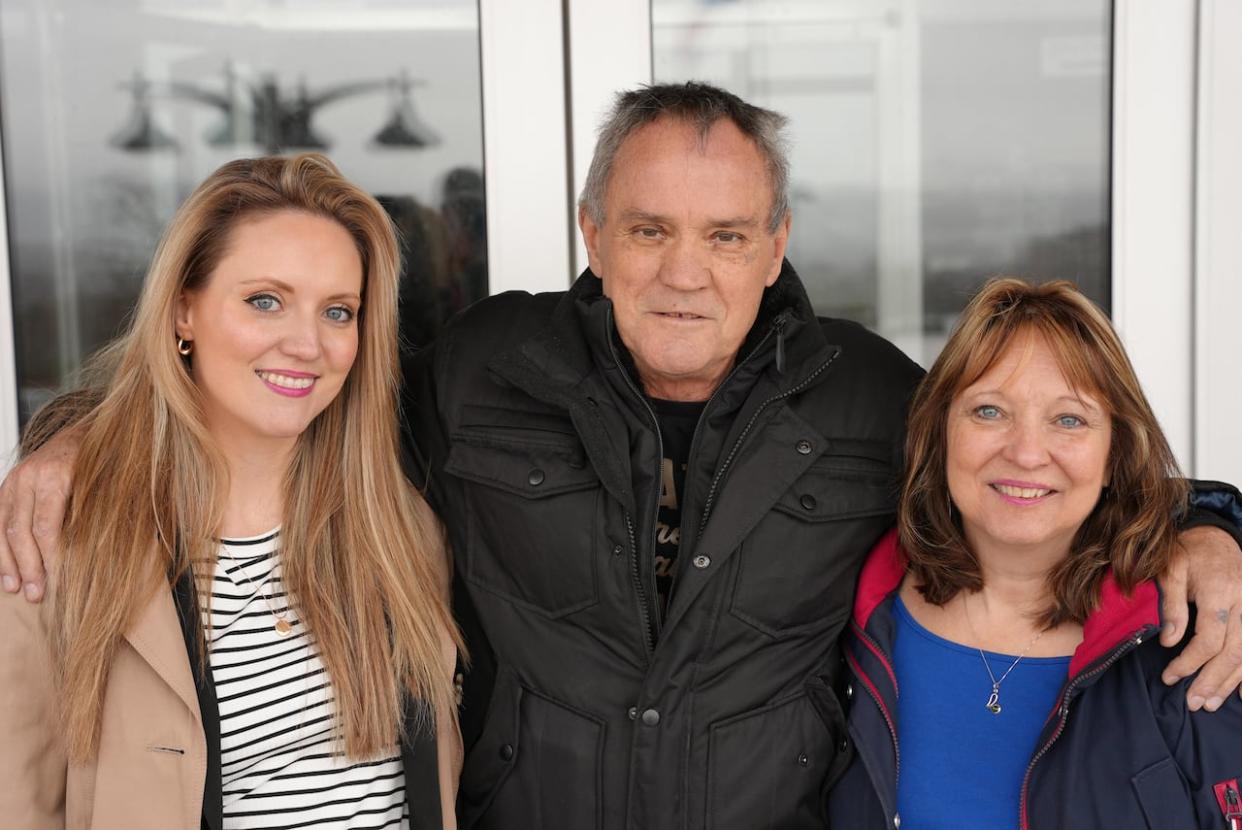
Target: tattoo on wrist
<point x="1222" y="616"/>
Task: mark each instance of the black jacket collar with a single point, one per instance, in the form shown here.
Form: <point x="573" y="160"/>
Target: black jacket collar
<point x="581" y="332"/>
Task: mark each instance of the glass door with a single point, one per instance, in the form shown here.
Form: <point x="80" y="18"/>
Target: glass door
<point x="935" y="143"/>
<point x="112" y="112"/>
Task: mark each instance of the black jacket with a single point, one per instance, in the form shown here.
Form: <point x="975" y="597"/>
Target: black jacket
<point x="584" y="708"/>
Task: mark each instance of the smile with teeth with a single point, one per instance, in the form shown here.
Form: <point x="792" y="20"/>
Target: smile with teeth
<point x="1020" y="492"/>
<point x="285" y="381"/>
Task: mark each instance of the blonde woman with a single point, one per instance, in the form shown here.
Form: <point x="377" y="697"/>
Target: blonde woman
<point x="249" y="624"/>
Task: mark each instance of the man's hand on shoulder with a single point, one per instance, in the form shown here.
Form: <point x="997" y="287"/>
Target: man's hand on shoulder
<point x="1208" y="571"/>
<point x="33" y="498"/>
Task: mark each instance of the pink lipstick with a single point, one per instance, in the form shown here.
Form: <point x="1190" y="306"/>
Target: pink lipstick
<point x="287" y="382"/>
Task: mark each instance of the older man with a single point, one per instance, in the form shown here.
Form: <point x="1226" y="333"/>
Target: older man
<point x="659" y="487"/>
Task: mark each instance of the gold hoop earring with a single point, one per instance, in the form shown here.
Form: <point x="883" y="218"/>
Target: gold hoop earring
<point x="184" y="347"/>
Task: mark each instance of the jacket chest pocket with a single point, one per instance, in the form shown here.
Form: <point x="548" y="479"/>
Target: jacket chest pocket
<point x="1163" y="797"/>
<point x="532" y="519"/>
<point x="797" y="567"/>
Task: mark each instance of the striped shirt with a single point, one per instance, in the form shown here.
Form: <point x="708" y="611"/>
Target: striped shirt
<point x="279" y="766"/>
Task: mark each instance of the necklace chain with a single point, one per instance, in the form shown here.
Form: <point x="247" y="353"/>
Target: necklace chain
<point x="282" y="625"/>
<point x="993" y="704"/>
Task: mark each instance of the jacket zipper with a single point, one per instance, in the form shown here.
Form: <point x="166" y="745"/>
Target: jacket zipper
<point x="892" y="727"/>
<point x="778" y="326"/>
<point x="1135" y="640"/>
<point x="644" y="607"/>
<point x="636" y="576"/>
<point x="652" y="623"/>
<point x="737" y="445"/>
<point x="1233" y="807"/>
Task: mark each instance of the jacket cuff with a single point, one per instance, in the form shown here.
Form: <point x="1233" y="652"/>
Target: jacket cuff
<point x="1215" y="504"/>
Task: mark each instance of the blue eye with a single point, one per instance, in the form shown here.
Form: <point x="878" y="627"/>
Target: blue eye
<point x="339" y="314"/>
<point x="988" y="412"/>
<point x="264" y="302"/>
<point x="1070" y="421"/>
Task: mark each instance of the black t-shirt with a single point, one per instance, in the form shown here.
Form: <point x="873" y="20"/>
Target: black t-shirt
<point x="678" y="420"/>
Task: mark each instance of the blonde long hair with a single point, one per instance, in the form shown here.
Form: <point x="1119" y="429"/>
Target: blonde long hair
<point x="362" y="556"/>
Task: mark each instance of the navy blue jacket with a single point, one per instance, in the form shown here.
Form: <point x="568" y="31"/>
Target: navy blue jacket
<point x="1119" y="749"/>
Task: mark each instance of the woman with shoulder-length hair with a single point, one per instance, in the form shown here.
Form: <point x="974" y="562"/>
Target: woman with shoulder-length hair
<point x="1004" y="655"/>
<point x="249" y="625"/>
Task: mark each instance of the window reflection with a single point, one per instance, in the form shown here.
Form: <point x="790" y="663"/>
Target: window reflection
<point x="113" y="112"/>
<point x="935" y="142"/>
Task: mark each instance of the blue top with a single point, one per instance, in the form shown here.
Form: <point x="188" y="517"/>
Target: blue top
<point x="962" y="766"/>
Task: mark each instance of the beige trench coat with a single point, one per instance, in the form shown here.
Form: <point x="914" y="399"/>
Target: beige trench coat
<point x="152" y="758"/>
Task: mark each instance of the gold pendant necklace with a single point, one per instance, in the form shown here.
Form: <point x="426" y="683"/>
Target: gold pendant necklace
<point x="281" y="625"/>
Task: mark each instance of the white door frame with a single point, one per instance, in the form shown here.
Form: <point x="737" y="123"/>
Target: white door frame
<point x="525" y="146"/>
<point x="1218" y="244"/>
<point x="8" y="357"/>
<point x="1153" y="204"/>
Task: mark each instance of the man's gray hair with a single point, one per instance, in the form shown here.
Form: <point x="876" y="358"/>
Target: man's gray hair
<point x="700" y="105"/>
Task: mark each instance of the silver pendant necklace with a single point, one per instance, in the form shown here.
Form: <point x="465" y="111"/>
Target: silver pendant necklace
<point x="993" y="705"/>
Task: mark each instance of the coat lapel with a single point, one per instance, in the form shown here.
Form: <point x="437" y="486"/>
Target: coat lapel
<point x="156" y="635"/>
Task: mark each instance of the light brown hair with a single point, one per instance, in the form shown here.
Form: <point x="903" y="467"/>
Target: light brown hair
<point x="362" y="556"/>
<point x="1132" y="529"/>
